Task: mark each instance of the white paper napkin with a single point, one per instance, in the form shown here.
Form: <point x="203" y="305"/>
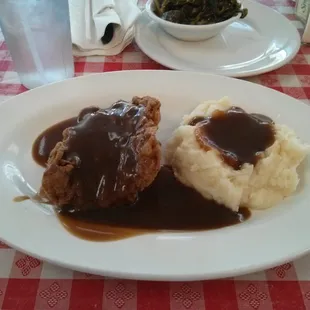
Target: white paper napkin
<point x="89" y="19"/>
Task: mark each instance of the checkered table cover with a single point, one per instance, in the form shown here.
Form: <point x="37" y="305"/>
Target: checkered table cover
<point x="27" y="283"/>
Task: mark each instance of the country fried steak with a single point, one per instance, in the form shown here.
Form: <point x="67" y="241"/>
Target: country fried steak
<point x="107" y="158"/>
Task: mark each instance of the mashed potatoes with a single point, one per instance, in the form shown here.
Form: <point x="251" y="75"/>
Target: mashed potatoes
<point x="273" y="178"/>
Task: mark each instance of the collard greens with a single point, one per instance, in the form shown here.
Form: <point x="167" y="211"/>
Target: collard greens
<point x="198" y="12"/>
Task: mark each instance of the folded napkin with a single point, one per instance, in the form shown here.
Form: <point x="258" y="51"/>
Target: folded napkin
<point x="102" y="27"/>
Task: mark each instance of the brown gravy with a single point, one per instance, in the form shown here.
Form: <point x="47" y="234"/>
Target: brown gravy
<point x="21" y="198"/>
<point x="166" y="205"/>
<point x="47" y="140"/>
<point x="103" y="149"/>
<point x="238" y="136"/>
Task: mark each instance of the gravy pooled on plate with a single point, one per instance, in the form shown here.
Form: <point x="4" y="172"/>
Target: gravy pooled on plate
<point x="166" y="204"/>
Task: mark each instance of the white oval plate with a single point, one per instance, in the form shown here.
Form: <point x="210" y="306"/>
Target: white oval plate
<point x="268" y="238"/>
<point x="263" y="41"/>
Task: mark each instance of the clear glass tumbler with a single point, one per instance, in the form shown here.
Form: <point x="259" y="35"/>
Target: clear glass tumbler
<point x="37" y="33"/>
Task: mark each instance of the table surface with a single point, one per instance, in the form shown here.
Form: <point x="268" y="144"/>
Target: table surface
<point x="27" y="283"/>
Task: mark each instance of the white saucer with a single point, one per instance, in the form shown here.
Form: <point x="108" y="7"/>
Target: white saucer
<point x="263" y="41"/>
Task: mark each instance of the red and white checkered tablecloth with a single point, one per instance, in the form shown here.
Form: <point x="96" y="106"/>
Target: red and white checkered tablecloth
<point x="27" y="283"/>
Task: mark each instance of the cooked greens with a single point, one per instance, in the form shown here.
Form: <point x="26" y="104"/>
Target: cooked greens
<point x="198" y="12"/>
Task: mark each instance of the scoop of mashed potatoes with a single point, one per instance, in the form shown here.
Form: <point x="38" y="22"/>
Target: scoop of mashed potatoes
<point x="264" y="185"/>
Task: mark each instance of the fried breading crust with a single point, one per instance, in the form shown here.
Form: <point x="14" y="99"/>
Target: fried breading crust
<point x="61" y="188"/>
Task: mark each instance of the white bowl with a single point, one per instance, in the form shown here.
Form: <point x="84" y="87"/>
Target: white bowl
<point x="188" y="32"/>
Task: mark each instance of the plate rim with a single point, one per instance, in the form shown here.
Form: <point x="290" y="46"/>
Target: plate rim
<point x="160" y="277"/>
